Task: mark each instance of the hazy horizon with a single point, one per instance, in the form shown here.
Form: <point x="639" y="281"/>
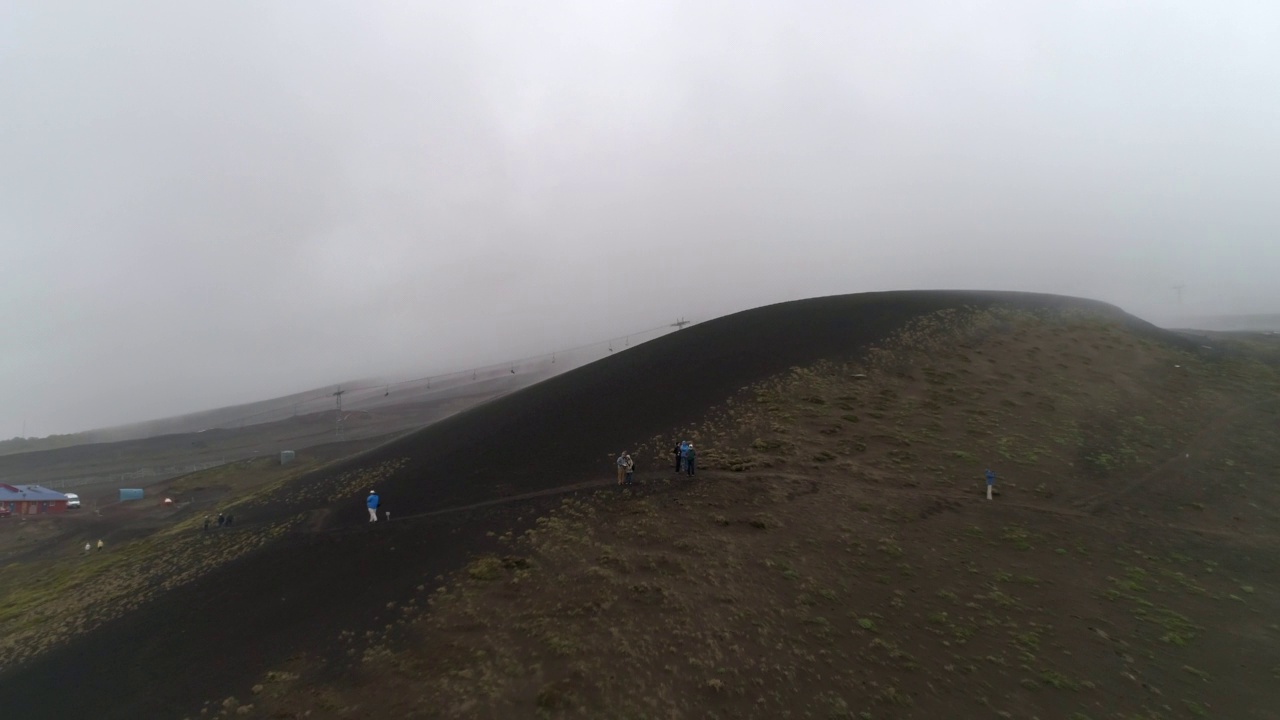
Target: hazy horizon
<point x="214" y="204"/>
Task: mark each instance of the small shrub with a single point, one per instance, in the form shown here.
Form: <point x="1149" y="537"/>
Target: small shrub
<point x="485" y="568"/>
<point x="554" y="697"/>
<point x="1057" y="680"/>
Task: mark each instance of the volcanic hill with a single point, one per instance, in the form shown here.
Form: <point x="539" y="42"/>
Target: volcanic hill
<point x="835" y="555"/>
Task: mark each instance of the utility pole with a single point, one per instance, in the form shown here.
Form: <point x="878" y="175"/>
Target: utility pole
<point x="679" y="324"/>
<point x="1177" y="289"/>
<point x="337" y="419"/>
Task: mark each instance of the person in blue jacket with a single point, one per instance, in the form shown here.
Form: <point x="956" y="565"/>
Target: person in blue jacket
<point x="372" y="504"/>
<point x="991" y="483"/>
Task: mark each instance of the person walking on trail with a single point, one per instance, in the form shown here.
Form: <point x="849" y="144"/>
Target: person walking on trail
<point x="101" y="545"/>
<point x="372" y="504"/>
<point x="690" y="460"/>
<point x="222" y="519"/>
<point x="87" y="548"/>
<point x="684" y="452"/>
<point x="623" y="459"/>
<point x="675" y="450"/>
<point x="991" y="483"/>
<point x="629" y="469"/>
<point x="230" y="519"/>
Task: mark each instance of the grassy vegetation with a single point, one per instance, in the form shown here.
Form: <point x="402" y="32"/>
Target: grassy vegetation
<point x="74" y="592"/>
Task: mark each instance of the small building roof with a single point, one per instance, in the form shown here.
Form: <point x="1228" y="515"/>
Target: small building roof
<point x="19" y="493"/>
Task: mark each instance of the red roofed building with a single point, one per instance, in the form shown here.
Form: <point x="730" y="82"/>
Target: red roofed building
<point x="32" y="500"/>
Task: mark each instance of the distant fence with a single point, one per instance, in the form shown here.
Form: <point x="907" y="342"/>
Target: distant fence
<point x="153" y="474"/>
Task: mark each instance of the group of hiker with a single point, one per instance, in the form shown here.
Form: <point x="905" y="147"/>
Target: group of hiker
<point x="686" y="457"/>
<point x="686" y="461"/>
<point x="626" y="469"/>
<point x="222" y="521"/>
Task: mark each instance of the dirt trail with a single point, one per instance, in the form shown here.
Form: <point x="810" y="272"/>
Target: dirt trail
<point x="1211" y="434"/>
<point x="977" y="499"/>
<point x="652" y="486"/>
<point x="318" y="523"/>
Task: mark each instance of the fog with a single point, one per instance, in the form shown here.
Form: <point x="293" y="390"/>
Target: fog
<point x="209" y="203"/>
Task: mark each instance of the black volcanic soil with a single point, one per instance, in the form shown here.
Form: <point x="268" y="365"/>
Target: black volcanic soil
<point x="337" y="572"/>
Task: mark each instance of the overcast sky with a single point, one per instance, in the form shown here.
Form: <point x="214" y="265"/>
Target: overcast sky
<point x="208" y="203"/>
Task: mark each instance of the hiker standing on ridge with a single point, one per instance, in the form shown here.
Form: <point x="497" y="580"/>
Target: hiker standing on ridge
<point x="684" y="452"/>
<point x="690" y="460"/>
<point x="675" y="450"/>
<point x="372" y="504"/>
<point x="991" y="483"/>
<point x="222" y="519"/>
<point x="101" y="545"/>
<point x="629" y="469"/>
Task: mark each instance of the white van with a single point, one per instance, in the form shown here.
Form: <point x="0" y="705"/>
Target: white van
<point x="73" y="500"/>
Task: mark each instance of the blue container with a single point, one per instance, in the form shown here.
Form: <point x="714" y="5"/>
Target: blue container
<point x="130" y="494"/>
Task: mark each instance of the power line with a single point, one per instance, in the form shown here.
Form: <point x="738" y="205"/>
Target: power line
<point x="441" y="380"/>
<point x="337" y="418"/>
<point x="531" y="358"/>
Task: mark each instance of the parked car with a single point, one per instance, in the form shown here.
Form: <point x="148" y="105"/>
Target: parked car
<point x="73" y="500"/>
